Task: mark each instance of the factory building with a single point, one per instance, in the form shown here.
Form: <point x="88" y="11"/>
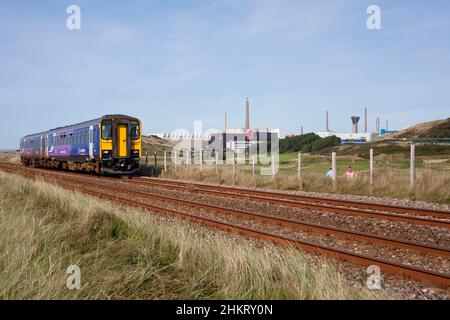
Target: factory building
<point x="241" y="139"/>
<point x="354" y="136"/>
<point x="236" y="139"/>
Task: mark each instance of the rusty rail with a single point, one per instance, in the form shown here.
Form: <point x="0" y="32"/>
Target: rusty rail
<point x="387" y="266"/>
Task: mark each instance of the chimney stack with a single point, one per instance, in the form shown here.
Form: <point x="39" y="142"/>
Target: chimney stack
<point x="387" y="125"/>
<point x="247" y="114"/>
<point x="355" y="120"/>
<point x="301" y="130"/>
<point x="365" y="119"/>
<point x="327" y="129"/>
<point x="378" y="125"/>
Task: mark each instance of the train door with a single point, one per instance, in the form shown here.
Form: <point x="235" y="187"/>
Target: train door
<point x="121" y="140"/>
<point x="41" y="147"/>
<point x="50" y="143"/>
<point x="91" y="142"/>
<point x="45" y="146"/>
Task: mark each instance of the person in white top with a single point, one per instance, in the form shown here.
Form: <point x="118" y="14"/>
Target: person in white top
<point x="329" y="173"/>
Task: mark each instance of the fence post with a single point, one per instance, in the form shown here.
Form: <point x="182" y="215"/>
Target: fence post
<point x="188" y="160"/>
<point x="234" y="168"/>
<point x="217" y="162"/>
<point x="412" y="167"/>
<point x="371" y="166"/>
<point x="146" y="163"/>
<point x="165" y="161"/>
<point x="333" y="168"/>
<point x="299" y="171"/>
<point x="253" y="171"/>
<point x="253" y="165"/>
<point x="176" y="160"/>
<point x="273" y="168"/>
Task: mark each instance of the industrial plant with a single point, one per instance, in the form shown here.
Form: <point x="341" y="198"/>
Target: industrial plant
<point x="237" y="139"/>
<point x="355" y="136"/>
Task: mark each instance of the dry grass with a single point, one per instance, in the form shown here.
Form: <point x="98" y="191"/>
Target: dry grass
<point x="431" y="185"/>
<point x="125" y="253"/>
<point x="10" y="157"/>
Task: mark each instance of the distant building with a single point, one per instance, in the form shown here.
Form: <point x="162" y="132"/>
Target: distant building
<point x="239" y="140"/>
<point x="360" y="137"/>
<point x="384" y="131"/>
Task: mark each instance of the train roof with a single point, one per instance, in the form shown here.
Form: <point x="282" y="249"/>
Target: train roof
<point x="58" y="128"/>
<point x="119" y="116"/>
<point x="81" y="123"/>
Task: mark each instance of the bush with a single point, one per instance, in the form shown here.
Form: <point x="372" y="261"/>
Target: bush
<point x="307" y="143"/>
<point x="298" y="143"/>
<point x="325" y="143"/>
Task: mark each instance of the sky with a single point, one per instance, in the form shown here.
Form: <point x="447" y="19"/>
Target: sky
<point x="170" y="63"/>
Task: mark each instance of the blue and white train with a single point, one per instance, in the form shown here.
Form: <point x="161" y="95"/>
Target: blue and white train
<point x="109" y="144"/>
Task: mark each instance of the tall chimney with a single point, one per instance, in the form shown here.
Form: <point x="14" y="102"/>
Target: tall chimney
<point x="387" y="125"/>
<point x="365" y="119"/>
<point x="225" y="123"/>
<point x="327" y="129"/>
<point x="247" y="114"/>
<point x="378" y="125"/>
<point x="301" y="130"/>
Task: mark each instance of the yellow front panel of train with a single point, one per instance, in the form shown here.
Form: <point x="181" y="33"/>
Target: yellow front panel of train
<point x="122" y="140"/>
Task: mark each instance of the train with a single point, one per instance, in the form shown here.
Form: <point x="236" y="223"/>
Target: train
<point x="111" y="144"/>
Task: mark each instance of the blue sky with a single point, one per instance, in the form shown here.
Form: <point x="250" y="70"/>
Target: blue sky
<point x="172" y="62"/>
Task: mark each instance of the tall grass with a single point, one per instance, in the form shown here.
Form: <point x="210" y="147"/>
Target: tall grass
<point x="125" y="253"/>
<point x="431" y="185"/>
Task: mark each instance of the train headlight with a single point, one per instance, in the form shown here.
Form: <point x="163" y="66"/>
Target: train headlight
<point x="135" y="153"/>
<point x="106" y="154"/>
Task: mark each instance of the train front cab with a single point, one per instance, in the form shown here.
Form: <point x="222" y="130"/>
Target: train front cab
<point x="120" y="144"/>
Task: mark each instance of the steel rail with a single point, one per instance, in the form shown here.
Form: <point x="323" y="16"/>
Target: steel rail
<point x="213" y="189"/>
<point x="421" y="274"/>
<point x="291" y="223"/>
<point x="207" y="189"/>
<point x="346" y="203"/>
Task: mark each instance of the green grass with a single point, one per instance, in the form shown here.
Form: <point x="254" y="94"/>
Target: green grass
<point x="125" y="253"/>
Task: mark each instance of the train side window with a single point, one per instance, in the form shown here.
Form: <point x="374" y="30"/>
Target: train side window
<point x="134" y="130"/>
<point x="106" y="129"/>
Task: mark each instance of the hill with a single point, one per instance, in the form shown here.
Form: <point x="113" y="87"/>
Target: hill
<point x="431" y="129"/>
<point x="152" y="144"/>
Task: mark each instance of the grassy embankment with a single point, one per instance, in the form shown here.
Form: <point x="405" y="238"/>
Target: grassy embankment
<point x="125" y="253"/>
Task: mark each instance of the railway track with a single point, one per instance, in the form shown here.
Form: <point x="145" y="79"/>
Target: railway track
<point x="291" y="223"/>
<point x="69" y="180"/>
<point x="417" y="216"/>
<point x="285" y="196"/>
